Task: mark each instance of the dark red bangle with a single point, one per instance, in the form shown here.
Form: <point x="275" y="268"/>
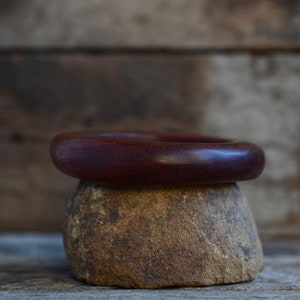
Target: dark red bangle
<point x="155" y="159"/>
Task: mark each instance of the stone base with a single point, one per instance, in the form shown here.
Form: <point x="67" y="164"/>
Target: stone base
<point x="162" y="237"/>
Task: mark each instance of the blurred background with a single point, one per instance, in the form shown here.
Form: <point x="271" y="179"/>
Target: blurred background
<point x="229" y="68"/>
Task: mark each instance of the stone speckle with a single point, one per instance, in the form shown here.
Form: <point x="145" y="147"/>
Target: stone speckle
<point x="153" y="238"/>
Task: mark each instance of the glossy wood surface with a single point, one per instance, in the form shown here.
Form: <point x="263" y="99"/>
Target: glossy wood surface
<point x="155" y="159"/>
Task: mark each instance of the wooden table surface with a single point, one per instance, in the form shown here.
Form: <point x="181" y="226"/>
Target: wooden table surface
<point x="33" y="265"/>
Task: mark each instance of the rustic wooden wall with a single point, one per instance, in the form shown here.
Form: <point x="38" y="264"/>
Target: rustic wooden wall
<point x="227" y="67"/>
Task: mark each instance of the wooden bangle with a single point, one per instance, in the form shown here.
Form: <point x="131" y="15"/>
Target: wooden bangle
<point x="155" y="159"/>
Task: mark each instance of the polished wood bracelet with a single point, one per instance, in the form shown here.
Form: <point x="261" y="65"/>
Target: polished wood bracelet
<point x="155" y="159"/>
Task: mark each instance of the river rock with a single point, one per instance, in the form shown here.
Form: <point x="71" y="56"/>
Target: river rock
<point x="161" y="237"/>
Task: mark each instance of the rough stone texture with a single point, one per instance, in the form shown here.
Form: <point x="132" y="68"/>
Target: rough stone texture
<point x="229" y="24"/>
<point x="191" y="236"/>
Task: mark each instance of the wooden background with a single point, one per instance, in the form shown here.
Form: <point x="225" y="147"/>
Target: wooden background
<point x="224" y="67"/>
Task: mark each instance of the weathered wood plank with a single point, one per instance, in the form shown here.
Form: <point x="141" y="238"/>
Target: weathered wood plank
<point x="90" y="92"/>
<point x="164" y="24"/>
<point x="189" y="294"/>
<point x="33" y="195"/>
<point x="257" y="98"/>
<point x="34" y="265"/>
<point x="253" y="97"/>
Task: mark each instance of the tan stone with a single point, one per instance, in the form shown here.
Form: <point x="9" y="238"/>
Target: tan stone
<point x="161" y="237"/>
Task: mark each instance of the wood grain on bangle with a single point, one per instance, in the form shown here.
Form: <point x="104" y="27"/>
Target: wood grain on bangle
<point x="155" y="159"/>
